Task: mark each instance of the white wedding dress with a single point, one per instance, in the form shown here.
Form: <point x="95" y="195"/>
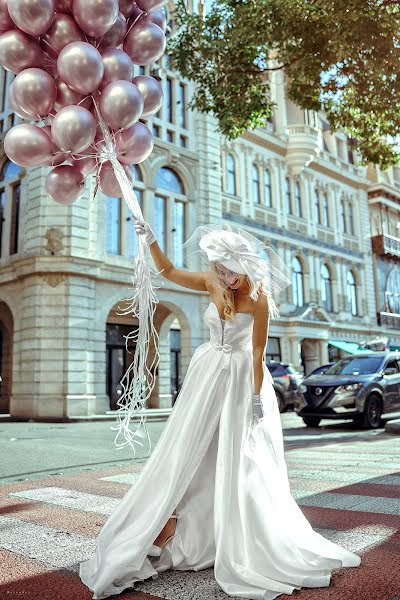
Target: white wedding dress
<point x="227" y="481"/>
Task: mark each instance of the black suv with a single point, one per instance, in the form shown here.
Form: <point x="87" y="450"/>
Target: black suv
<point x="287" y="383"/>
<point x="362" y="387"/>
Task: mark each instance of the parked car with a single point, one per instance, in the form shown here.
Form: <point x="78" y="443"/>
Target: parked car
<point x="320" y="370"/>
<point x="287" y="382"/>
<point x="363" y="387"/>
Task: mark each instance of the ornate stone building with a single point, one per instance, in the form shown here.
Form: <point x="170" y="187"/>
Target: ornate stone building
<point x="63" y="270"/>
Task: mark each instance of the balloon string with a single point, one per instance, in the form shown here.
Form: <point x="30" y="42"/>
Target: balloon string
<point x="133" y="24"/>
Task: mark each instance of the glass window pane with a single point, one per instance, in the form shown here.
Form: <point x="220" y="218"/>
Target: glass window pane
<point x="167" y="179"/>
<point x="231" y="175"/>
<point x="14" y="226"/>
<point x="168" y="101"/>
<point x="136" y="173"/>
<point x="10" y="170"/>
<point x="288" y="196"/>
<point x="182" y="105"/>
<point x="256" y="185"/>
<point x="113" y="225"/>
<point x="2" y="206"/>
<point x="179" y="233"/>
<point x="298" y="199"/>
<point x="159" y="221"/>
<point x="132" y="235"/>
<point x="267" y="188"/>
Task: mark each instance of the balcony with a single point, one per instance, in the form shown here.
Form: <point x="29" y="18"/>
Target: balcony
<point x="391" y="320"/>
<point x="302" y="147"/>
<point x="386" y="245"/>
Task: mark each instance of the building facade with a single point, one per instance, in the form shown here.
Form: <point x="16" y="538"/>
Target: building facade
<point x="65" y="270"/>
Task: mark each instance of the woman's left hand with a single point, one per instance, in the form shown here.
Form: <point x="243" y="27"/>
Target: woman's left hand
<point x="257" y="408"/>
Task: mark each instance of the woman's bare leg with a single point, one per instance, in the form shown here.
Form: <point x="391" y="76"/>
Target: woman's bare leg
<point x="166" y="532"/>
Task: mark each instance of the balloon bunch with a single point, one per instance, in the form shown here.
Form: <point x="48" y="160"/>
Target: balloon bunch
<point x="74" y="64"/>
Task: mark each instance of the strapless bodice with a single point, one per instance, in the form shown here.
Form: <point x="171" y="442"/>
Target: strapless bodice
<point x="229" y="335"/>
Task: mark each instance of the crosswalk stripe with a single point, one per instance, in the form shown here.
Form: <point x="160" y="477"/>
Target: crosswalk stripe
<point x="103" y="505"/>
<point x="352" y="502"/>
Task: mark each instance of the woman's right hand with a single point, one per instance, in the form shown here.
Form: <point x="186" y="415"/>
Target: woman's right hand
<point x="143" y="228"/>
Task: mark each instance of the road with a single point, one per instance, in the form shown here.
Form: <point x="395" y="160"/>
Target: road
<point x="59" y="482"/>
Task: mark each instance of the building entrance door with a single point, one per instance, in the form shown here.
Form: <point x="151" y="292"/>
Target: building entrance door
<point x="118" y="360"/>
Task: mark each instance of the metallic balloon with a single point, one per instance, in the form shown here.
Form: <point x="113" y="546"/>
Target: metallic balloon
<point x="81" y="67"/>
<point x="62" y="32"/>
<point x="67" y="97"/>
<point x="86" y="165"/>
<point x="32" y="16"/>
<point x="28" y="145"/>
<point x="108" y="182"/>
<point x="148" y="5"/>
<point x="127" y="7"/>
<point x="145" y="43"/>
<point x="6" y="21"/>
<point x="35" y="92"/>
<point x="117" y="65"/>
<point x="157" y="17"/>
<point x="95" y="17"/>
<point x="134" y="145"/>
<point x="121" y="104"/>
<point x="152" y="93"/>
<point x="57" y="157"/>
<point x="18" y="51"/>
<point x="115" y="35"/>
<point x="14" y="106"/>
<point x="65" y="184"/>
<point x="73" y="129"/>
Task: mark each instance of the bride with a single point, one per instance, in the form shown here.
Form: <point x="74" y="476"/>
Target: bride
<point x="215" y="490"/>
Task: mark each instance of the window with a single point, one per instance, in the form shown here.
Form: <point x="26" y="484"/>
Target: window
<point x="351" y="219"/>
<point x="10" y="194"/>
<point x="317" y="207"/>
<point x="169" y="111"/>
<point x="297" y="199"/>
<point x="342" y="216"/>
<point x="273" y="351"/>
<point x="160" y="218"/>
<point x="267" y="188"/>
<point x="256" y="185"/>
<point x="170" y="207"/>
<point x="297" y="282"/>
<point x="326" y="288"/>
<point x="288" y="196"/>
<point x="176" y="375"/>
<point x="325" y="210"/>
<point x="231" y="175"/>
<point x="167" y="179"/>
<point x="182" y="106"/>
<point x="351" y="293"/>
<point x="113" y="225"/>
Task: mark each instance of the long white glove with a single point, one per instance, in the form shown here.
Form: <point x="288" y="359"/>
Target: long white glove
<point x="258" y="413"/>
<point x="143" y="228"/>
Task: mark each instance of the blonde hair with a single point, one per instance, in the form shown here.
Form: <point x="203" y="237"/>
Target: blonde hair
<point x="256" y="288"/>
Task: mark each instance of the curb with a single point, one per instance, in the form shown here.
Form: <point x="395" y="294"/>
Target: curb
<point x="152" y="414"/>
<point x="393" y="426"/>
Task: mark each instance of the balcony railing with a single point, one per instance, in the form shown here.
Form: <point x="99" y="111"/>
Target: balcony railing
<point x="386" y="244"/>
<point x="391" y="320"/>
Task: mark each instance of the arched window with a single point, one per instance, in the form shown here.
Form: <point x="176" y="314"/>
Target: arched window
<point x="230" y="175"/>
<point x="256" y="185"/>
<point x="10" y="193"/>
<point x="325" y="210"/>
<point x="297" y="199"/>
<point x="326" y="288"/>
<point x="343" y="216"/>
<point x="267" y="188"/>
<point x="351" y="219"/>
<point x="288" y="196"/>
<point x="297" y="282"/>
<point x="170" y="213"/>
<point x="351" y="293"/>
<point x="317" y="207"/>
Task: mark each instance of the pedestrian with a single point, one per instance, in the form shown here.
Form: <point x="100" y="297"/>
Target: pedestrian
<point x="215" y="490"/>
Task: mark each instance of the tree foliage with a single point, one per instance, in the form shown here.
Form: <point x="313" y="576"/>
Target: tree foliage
<point x="339" y="56"/>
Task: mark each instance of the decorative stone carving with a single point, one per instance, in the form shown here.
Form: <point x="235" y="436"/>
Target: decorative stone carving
<point x="54" y="279"/>
<point x="54" y="238"/>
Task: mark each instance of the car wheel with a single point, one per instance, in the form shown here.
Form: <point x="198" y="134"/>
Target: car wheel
<point x="312" y="421"/>
<point x="372" y="412"/>
<point x="281" y="402"/>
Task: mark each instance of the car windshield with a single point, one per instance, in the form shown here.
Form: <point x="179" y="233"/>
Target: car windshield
<point x="360" y="365"/>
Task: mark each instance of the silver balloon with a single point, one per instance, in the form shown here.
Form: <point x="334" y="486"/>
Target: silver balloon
<point x="18" y="51"/>
<point x="73" y="129"/>
<point x="81" y="67"/>
<point x="115" y="35"/>
<point x="28" y="145"/>
<point x="152" y="94"/>
<point x="121" y="104"/>
<point x="145" y="43"/>
<point x="134" y="145"/>
<point x="95" y="17"/>
<point x="14" y="106"/>
<point x="35" y="92"/>
<point x="108" y="182"/>
<point x="62" y="32"/>
<point x="148" y="5"/>
<point x="57" y="157"/>
<point x="65" y="184"/>
<point x="67" y="97"/>
<point x="127" y="7"/>
<point x="117" y="66"/>
<point x="6" y="21"/>
<point x="157" y="17"/>
<point x="32" y="16"/>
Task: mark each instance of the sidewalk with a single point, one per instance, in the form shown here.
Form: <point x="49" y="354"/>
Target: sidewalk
<point x="152" y="414"/>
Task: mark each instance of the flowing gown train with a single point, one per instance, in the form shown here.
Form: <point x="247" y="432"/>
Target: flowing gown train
<point x="227" y="482"/>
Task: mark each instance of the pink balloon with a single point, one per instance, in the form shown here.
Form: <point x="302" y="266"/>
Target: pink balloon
<point x="81" y="67"/>
<point x="121" y="104"/>
<point x="117" y="65"/>
<point x="35" y="92"/>
<point x="95" y="17"/>
<point x="57" y="157"/>
<point x="67" y="97"/>
<point x="157" y="17"/>
<point x="134" y="145"/>
<point x="152" y="94"/>
<point x="18" y="51"/>
<point x="14" y="106"/>
<point x="62" y="32"/>
<point x="127" y="7"/>
<point x="32" y="16"/>
<point x="145" y="43"/>
<point x="73" y="129"/>
<point x="115" y="35"/>
<point x="108" y="182"/>
<point x="65" y="184"/>
<point x="63" y="6"/>
<point x="148" y="5"/>
<point x="87" y="166"/>
<point x="6" y="21"/>
<point x="27" y="145"/>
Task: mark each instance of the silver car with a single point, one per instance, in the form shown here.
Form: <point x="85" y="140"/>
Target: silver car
<point x="363" y="387"/>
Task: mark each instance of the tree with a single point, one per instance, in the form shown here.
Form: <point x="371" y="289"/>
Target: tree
<point x="339" y="56"/>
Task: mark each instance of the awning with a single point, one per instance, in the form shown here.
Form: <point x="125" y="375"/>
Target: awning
<point x="350" y="347"/>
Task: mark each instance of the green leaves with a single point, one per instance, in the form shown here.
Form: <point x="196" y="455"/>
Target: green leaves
<point x="340" y="56"/>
